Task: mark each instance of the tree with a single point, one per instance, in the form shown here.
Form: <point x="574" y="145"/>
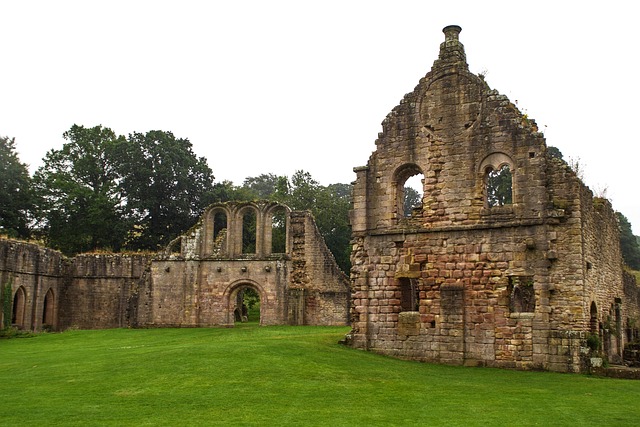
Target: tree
<point x="329" y="205"/>
<point x="263" y="186"/>
<point x="16" y="198"/>
<point x="80" y="205"/>
<point x="499" y="186"/>
<point x="166" y="186"/>
<point x="412" y="200"/>
<point x="628" y="243"/>
<point x="554" y="152"/>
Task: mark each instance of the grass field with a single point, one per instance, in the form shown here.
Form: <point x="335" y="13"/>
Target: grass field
<point x="274" y="376"/>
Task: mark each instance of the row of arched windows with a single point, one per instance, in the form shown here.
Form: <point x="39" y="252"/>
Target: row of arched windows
<point x="19" y="309"/>
<point x="247" y="230"/>
<point x="497" y="189"/>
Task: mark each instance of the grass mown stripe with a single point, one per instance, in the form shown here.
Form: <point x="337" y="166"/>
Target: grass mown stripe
<point x="278" y="376"/>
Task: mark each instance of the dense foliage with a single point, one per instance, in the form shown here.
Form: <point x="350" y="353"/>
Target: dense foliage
<point x="103" y="191"/>
<point x="628" y="243"/>
<point x="16" y="201"/>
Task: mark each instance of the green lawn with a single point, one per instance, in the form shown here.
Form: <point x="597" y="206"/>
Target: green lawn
<point x="273" y="376"/>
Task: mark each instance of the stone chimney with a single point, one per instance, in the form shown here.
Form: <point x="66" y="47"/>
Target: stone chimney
<point x="451" y="50"/>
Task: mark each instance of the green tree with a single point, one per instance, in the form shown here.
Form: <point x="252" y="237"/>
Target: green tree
<point x="499" y="186"/>
<point x="329" y="205"/>
<point x="166" y="186"/>
<point x="554" y="152"/>
<point x="412" y="200"/>
<point x="263" y="186"/>
<point x="628" y="243"/>
<point x="16" y="198"/>
<point x="80" y="205"/>
<point x="225" y="191"/>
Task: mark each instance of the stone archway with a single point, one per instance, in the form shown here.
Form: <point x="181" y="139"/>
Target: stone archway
<point x="239" y="303"/>
<point x="48" y="305"/>
<point x="19" y="307"/>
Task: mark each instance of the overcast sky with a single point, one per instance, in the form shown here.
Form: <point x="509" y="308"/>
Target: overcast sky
<point x="277" y="86"/>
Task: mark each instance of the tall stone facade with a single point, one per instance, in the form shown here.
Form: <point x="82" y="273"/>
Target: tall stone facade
<point x="197" y="281"/>
<point x="508" y="261"/>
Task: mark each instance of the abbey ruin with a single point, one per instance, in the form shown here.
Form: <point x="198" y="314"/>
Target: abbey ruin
<point x="195" y="282"/>
<point x="509" y="261"/>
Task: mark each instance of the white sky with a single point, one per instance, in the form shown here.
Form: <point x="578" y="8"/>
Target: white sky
<point x="277" y="86"/>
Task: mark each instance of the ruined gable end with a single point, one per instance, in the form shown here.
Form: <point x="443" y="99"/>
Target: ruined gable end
<point x="497" y="261"/>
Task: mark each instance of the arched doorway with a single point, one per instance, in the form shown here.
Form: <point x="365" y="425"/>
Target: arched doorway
<point x="19" y="306"/>
<point x="246" y="304"/>
<point x="47" y="310"/>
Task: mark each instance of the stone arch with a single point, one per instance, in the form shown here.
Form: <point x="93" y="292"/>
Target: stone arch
<point x="276" y="230"/>
<point x="216" y="230"/>
<point x="247" y="230"/>
<point x="400" y="177"/>
<point x="48" y="309"/>
<point x="497" y="171"/>
<point x="230" y="298"/>
<point x="19" y="308"/>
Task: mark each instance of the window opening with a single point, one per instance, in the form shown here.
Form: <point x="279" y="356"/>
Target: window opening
<point x="249" y="232"/>
<point x="499" y="186"/>
<point x="412" y="195"/>
<point x="47" y="309"/>
<point x="279" y="231"/>
<point x="19" y="301"/>
<point x="219" y="224"/>
<point x="409" y="294"/>
<point x="522" y="296"/>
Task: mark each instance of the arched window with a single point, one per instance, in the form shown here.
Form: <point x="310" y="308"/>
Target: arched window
<point x="19" y="305"/>
<point x="249" y="230"/>
<point x="220" y="231"/>
<point x="219" y="224"/>
<point x="279" y="231"/>
<point x="499" y="186"/>
<point x="497" y="171"/>
<point x="410" y="188"/>
<point x="593" y="318"/>
<point x="47" y="309"/>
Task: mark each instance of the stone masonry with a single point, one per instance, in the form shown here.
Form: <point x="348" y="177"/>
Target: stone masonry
<point x="194" y="282"/>
<point x="463" y="279"/>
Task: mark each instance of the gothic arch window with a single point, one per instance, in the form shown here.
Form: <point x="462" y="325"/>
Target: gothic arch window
<point x="249" y="231"/>
<point x="278" y="230"/>
<point x="497" y="170"/>
<point x="19" y="306"/>
<point x="409" y="181"/>
<point x="47" y="309"/>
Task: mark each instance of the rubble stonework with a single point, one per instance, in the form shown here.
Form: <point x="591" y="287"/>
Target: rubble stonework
<point x="197" y="285"/>
<point x="461" y="280"/>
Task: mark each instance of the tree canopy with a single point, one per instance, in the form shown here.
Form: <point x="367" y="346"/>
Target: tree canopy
<point x="165" y="186"/>
<point x="16" y="199"/>
<point x="77" y="189"/>
<point x="628" y="243"/>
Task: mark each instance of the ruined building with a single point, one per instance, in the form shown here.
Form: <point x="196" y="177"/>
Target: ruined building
<point x="197" y="281"/>
<point x="508" y="261"/>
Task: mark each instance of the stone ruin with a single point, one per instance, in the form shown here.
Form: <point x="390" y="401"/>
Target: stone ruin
<point x="197" y="281"/>
<point x="507" y="261"/>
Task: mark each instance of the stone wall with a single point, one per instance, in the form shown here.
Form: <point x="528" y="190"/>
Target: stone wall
<point x="463" y="279"/>
<point x="194" y="282"/>
<point x="32" y="272"/>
